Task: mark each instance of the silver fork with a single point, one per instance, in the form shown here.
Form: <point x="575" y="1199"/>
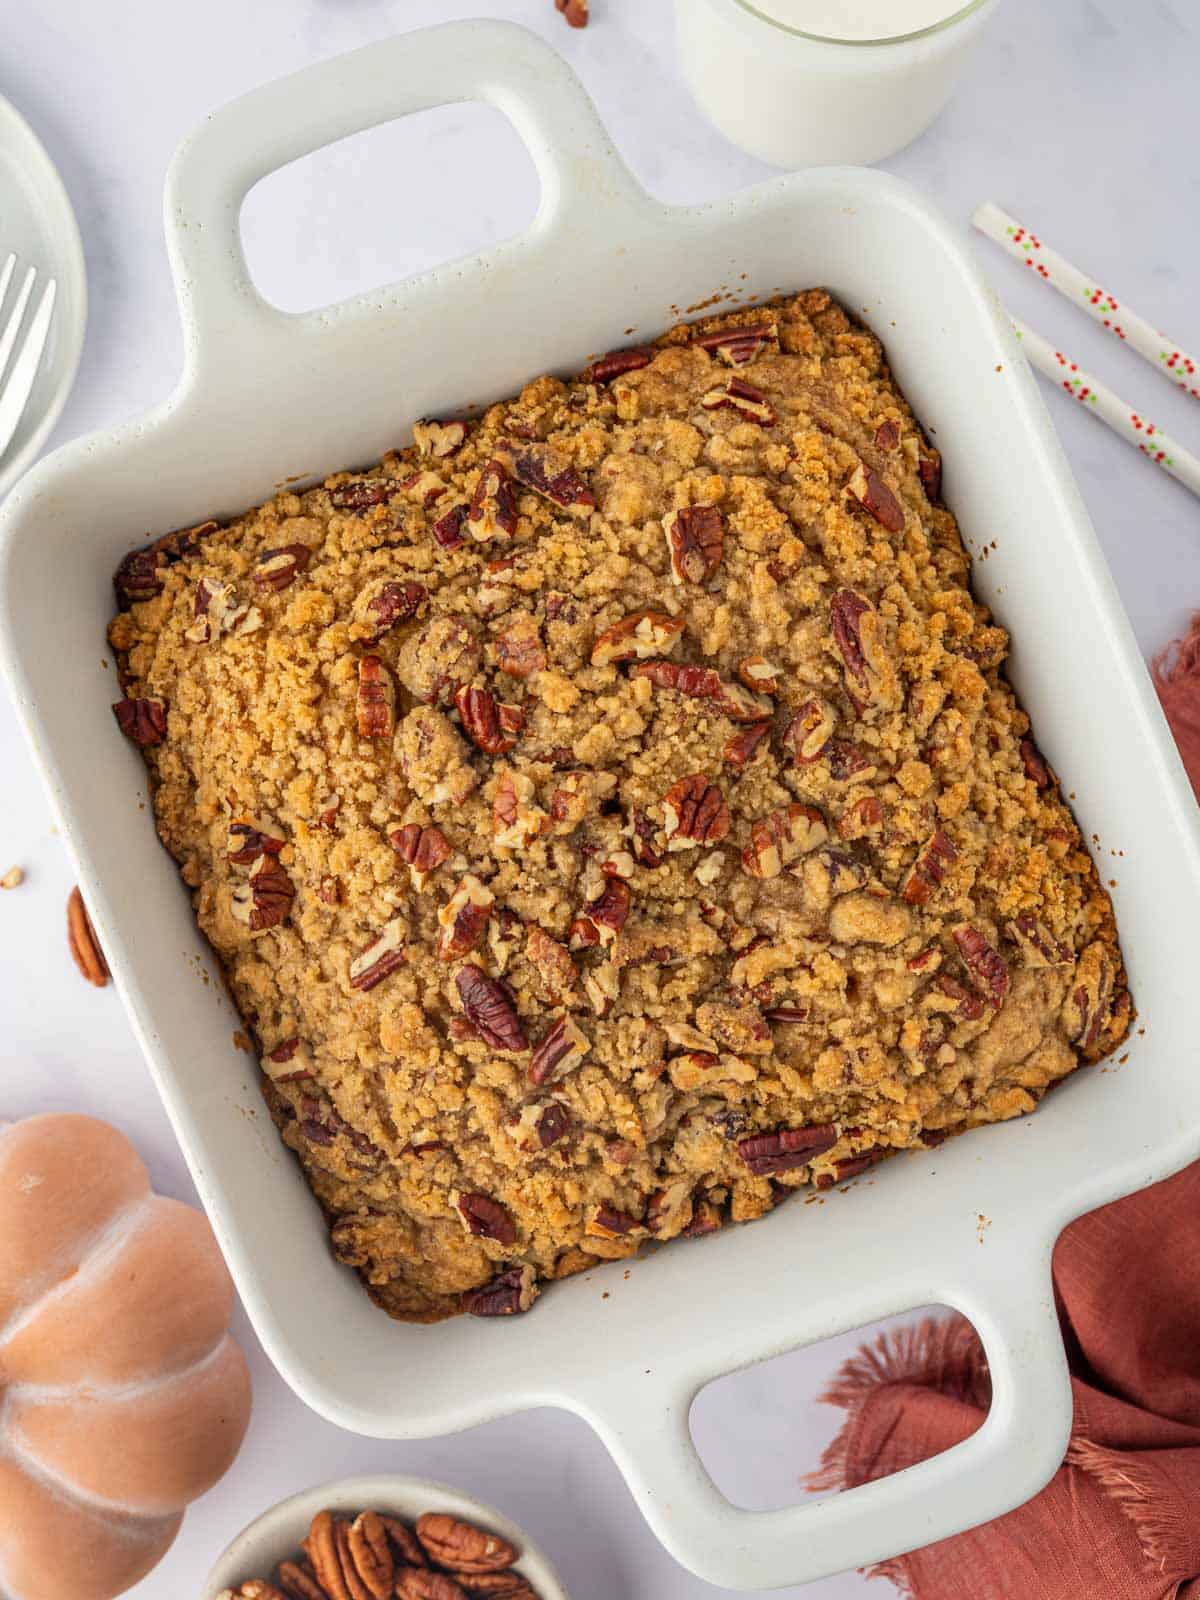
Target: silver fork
<point x="19" y="370"/>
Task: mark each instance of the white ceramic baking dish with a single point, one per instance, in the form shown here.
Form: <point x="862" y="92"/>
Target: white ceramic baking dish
<point x="265" y="396"/>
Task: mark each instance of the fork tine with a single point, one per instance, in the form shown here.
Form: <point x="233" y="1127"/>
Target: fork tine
<point x="16" y="390"/>
<point x="13" y="326"/>
<point x="6" y="272"/>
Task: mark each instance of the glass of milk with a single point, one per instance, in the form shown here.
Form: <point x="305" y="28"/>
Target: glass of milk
<point x="805" y="83"/>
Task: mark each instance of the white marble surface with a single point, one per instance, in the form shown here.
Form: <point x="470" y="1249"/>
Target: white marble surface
<point x="1076" y="117"/>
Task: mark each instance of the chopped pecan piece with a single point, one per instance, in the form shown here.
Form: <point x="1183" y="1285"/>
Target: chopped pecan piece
<point x="361" y="493"/>
<point x="481" y="719"/>
<point x="289" y="1062"/>
<point x="217" y="610"/>
<point x="929" y="470"/>
<point x="636" y="638"/>
<point x="786" y="1148"/>
<point x="464" y="918"/>
<point x="756" y="672"/>
<point x="862" y="817"/>
<point x="488" y="1005"/>
<point x="887" y="435"/>
<point x="987" y="968"/>
<point x="968" y="1004"/>
<point x="486" y="1218"/>
<point x="737" y="347"/>
<point x="737" y="1028"/>
<point x="846" y="611"/>
<point x="329" y="891"/>
<point x="508" y="1294"/>
<point x="448" y="528"/>
<point x="602" y="986"/>
<point x="560" y="1052"/>
<point x="516" y="821"/>
<point x="553" y="964"/>
<point x="386" y="603"/>
<point x="425" y="487"/>
<point x="694" y="813"/>
<point x="643" y="840"/>
<point x="1089" y="997"/>
<point x="927" y="960"/>
<point x="376" y="703"/>
<point x="245" y="843"/>
<point x="704" y="683"/>
<point x="575" y="12"/>
<point x="519" y="648"/>
<point x="706" y="1218"/>
<point x="541" y="1125"/>
<point x="929" y="869"/>
<point x="606" y="1222"/>
<point x="670" y="1209"/>
<point x="741" y="748"/>
<point x="493" y="510"/>
<point x="610" y="911"/>
<point x="786" y="1014"/>
<point x="1037" y="944"/>
<point x="381" y="957"/>
<point x="439" y="439"/>
<point x="1035" y="766"/>
<point x="144" y="721"/>
<point x="140" y="576"/>
<point x="265" y="900"/>
<point x="777" y="839"/>
<point x="434" y="662"/>
<point x="869" y="489"/>
<point x="848" y="762"/>
<point x="751" y="404"/>
<point x="424" y="848"/>
<point x="276" y="569"/>
<point x="851" y="1167"/>
<point x="617" y="362"/>
<point x="695" y="542"/>
<point x="810" y="730"/>
<point x="549" y="473"/>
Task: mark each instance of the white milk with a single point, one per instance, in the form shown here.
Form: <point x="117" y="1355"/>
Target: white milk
<point x="802" y="101"/>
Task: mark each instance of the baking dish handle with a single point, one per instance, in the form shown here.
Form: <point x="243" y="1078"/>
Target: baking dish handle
<point x="1014" y="1454"/>
<point x="585" y="185"/>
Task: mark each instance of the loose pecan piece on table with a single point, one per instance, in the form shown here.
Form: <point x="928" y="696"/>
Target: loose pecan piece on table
<point x="489" y="1006"/>
<point x="83" y="943"/>
<point x="575" y="11"/>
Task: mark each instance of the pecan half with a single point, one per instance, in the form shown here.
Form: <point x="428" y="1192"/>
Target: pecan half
<point x="560" y="1052"/>
<point x="695" y="542"/>
<point x="483" y="720"/>
<point x="83" y="943"/>
<point x="362" y="493"/>
<point x="487" y="1219"/>
<point x="549" y="473"/>
<point x="1037" y="944"/>
<point x="929" y="869"/>
<point x="617" y="362"/>
<point x="464" y="918"/>
<point x="751" y="404"/>
<point x="497" y="1586"/>
<point x="846" y="611"/>
<point x="553" y="964"/>
<point x="737" y="347"/>
<point x="741" y="748"/>
<point x="987" y="968"/>
<point x="245" y="843"/>
<point x="367" y="1556"/>
<point x="777" y="839"/>
<point x="492" y="513"/>
<point x="254" y="1589"/>
<point x="869" y="489"/>
<point x="1035" y="766"/>
<point x="439" y="439"/>
<point x="810" y="730"/>
<point x="487" y="1004"/>
<point x="298" y="1582"/>
<point x="516" y="821"/>
<point x="375" y="706"/>
<point x="575" y="12"/>
<point x="142" y="720"/>
<point x="851" y="1167"/>
<point x="381" y="957"/>
<point x="265" y="900"/>
<point x="403" y="1541"/>
<point x="448" y="528"/>
<point x="418" y="1583"/>
<point x="508" y="1294"/>
<point x="704" y="683"/>
<point x="694" y="813"/>
<point x="276" y="569"/>
<point x="786" y="1148"/>
<point x="637" y="637"/>
<point x="423" y="848"/>
<point x="387" y="603"/>
<point x="461" y="1546"/>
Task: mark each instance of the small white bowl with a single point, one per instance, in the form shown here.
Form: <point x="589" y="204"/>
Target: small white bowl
<point x="275" y="1536"/>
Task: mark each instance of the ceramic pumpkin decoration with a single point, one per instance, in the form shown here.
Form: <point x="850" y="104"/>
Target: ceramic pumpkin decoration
<point x="124" y="1396"/>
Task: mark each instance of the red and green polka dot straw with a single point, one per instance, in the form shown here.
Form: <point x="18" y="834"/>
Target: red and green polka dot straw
<point x="1123" y="323"/>
<point x="1110" y="408"/>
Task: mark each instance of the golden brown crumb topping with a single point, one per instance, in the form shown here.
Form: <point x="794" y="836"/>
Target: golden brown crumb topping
<point x="611" y="813"/>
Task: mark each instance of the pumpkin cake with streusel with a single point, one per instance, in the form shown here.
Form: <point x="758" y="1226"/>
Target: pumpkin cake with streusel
<point x="611" y="812"/>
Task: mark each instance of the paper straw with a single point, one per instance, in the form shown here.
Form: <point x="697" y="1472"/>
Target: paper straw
<point x="1110" y="408"/>
<point x="1162" y="353"/>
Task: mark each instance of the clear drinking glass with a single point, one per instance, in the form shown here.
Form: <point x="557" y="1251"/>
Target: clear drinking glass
<point x="798" y="100"/>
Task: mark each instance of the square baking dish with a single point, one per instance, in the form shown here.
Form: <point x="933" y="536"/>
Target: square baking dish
<point x="252" y="409"/>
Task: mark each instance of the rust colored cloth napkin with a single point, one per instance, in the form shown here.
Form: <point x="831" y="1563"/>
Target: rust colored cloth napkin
<point x="1121" y="1518"/>
<point x="1177" y="679"/>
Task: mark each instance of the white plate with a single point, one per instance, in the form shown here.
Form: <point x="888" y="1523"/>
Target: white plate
<point x="275" y="1536"/>
<point x="36" y="220"/>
